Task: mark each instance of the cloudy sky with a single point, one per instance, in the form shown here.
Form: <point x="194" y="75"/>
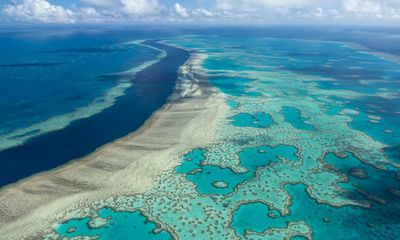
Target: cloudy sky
<point x="201" y="11"/>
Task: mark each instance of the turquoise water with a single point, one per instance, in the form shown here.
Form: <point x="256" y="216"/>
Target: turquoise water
<point x="210" y="179"/>
<point x="257" y="120"/>
<point x="256" y="217"/>
<point x="327" y="222"/>
<point x="307" y="149"/>
<point x="253" y="158"/>
<point x="233" y="104"/>
<point x="114" y="225"/>
<point x="191" y="161"/>
<point x="207" y="180"/>
<point x="231" y="85"/>
<point x="293" y="116"/>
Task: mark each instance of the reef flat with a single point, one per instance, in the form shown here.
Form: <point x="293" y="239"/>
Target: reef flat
<point x="124" y="167"/>
<point x="291" y="139"/>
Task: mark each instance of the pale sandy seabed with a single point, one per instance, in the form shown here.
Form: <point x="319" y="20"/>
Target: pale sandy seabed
<point x="125" y="167"/>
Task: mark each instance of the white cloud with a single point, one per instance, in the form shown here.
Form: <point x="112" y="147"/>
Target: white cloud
<point x="94" y="11"/>
<point x="202" y="12"/>
<point x="128" y="7"/>
<point x="141" y="7"/>
<point x="328" y="10"/>
<point x="367" y="9"/>
<point x="363" y="7"/>
<point x="38" y="11"/>
<point x="182" y="11"/>
<point x="101" y="3"/>
<point x="257" y="5"/>
<point x="89" y="14"/>
<point x="221" y="11"/>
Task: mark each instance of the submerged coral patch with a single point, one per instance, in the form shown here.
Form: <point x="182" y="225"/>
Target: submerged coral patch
<point x="113" y="225"/>
<point x="369" y="181"/>
<point x="257" y="120"/>
<point x="191" y="161"/>
<point x="294" y="117"/>
<point x="207" y="178"/>
<point x="256" y="217"/>
<point x="255" y="157"/>
<point x="290" y="159"/>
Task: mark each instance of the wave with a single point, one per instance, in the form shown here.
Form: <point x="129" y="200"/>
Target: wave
<point x="19" y="136"/>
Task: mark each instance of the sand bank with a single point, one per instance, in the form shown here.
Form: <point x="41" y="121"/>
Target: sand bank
<point x="124" y="167"/>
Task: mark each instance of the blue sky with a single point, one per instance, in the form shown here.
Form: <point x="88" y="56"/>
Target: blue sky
<point x="201" y="11"/>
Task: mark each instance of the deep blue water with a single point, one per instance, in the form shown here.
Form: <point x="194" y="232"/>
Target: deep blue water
<point x="378" y="38"/>
<point x="151" y="88"/>
<point x="64" y="69"/>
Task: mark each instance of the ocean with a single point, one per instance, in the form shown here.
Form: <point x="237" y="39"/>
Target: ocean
<point x="308" y="148"/>
<point x="67" y="94"/>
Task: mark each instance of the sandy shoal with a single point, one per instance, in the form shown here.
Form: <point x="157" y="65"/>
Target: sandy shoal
<point x="124" y="167"/>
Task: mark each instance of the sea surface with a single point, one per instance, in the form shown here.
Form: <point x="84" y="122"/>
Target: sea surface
<point x="309" y="148"/>
<point x="65" y="94"/>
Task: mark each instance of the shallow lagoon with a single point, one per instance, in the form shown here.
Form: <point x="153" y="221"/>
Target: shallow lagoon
<point x="256" y="120"/>
<point x="327" y="222"/>
<point x="284" y="156"/>
<point x="113" y="225"/>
